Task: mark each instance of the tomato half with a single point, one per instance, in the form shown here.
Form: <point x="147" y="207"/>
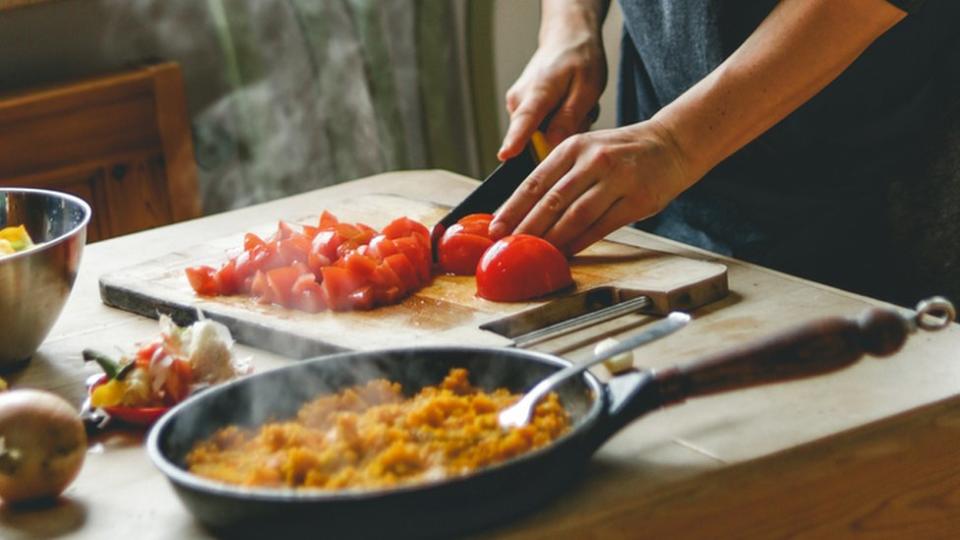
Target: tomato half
<point x="459" y="251"/>
<point x="520" y="267"/>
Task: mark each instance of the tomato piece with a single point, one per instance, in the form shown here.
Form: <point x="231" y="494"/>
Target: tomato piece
<point x="520" y="267"/>
<point x="226" y="277"/>
<point x="478" y="224"/>
<point x="360" y="265"/>
<point x="315" y="262"/>
<point x="382" y="247"/>
<point x="203" y="280"/>
<point x="251" y="241"/>
<point x="326" y="243"/>
<point x="327" y="221"/>
<point x="177" y="383"/>
<point x="384" y="278"/>
<point x="409" y="246"/>
<point x="404" y="226"/>
<point x="294" y="248"/>
<point x="405" y="270"/>
<point x="308" y="294"/>
<point x="337" y="285"/>
<point x="286" y="230"/>
<point x="459" y="252"/>
<point x="361" y="298"/>
<point x="260" y="289"/>
<point x="281" y="280"/>
<point x="310" y="231"/>
<point x="387" y="296"/>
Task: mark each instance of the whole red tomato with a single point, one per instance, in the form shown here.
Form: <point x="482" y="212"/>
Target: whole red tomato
<point x="521" y="267"/>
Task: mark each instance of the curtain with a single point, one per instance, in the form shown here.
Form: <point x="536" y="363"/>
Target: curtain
<point x="292" y="95"/>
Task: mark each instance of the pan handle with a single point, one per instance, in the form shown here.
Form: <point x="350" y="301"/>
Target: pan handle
<point x="815" y="348"/>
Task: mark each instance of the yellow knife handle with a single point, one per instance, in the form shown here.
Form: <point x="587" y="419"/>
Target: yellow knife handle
<point x="541" y="148"/>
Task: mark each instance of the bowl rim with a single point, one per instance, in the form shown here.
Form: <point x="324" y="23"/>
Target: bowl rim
<point x="87" y="214"/>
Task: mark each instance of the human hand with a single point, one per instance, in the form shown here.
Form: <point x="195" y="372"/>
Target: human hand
<point x="594" y="183"/>
<point x="565" y="77"/>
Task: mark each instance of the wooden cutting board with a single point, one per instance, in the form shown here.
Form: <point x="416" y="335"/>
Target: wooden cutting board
<point x="445" y="312"/>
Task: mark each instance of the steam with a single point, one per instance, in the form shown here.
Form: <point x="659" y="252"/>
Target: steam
<point x="286" y="95"/>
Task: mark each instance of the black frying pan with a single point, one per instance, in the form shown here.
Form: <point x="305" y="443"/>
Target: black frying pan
<point x="488" y="496"/>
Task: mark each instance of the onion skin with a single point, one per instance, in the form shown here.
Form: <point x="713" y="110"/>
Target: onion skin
<point x="43" y="445"/>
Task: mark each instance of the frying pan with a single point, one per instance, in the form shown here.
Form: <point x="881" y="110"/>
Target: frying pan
<point x="454" y="505"/>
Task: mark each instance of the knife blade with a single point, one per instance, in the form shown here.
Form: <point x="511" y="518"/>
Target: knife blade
<point x="496" y="188"/>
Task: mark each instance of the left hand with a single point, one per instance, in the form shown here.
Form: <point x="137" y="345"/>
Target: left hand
<point x="594" y="183"/>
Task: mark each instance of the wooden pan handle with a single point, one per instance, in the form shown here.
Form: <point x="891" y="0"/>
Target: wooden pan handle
<point x="812" y="349"/>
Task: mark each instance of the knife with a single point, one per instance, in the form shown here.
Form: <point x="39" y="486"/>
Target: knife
<point x="496" y="188"/>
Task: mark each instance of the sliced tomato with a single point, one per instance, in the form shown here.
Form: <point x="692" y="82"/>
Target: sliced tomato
<point x="310" y="231"/>
<point x="315" y="262"/>
<point x="360" y="265"/>
<point x="404" y="226"/>
<point x="478" y="224"/>
<point x="405" y="270"/>
<point x="338" y="284"/>
<point x="251" y="241"/>
<point x="327" y="221"/>
<point x="286" y="230"/>
<point x="260" y="288"/>
<point x="326" y="243"/>
<point x="459" y="251"/>
<point x="382" y="247"/>
<point x="294" y="248"/>
<point x="308" y="294"/>
<point x="520" y="267"/>
<point x="227" y="282"/>
<point x="203" y="280"/>
<point x="409" y="246"/>
<point x="387" y="296"/>
<point x="384" y="278"/>
<point x="281" y="280"/>
<point x="362" y="298"/>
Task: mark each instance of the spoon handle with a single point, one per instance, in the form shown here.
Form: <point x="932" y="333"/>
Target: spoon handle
<point x="673" y="322"/>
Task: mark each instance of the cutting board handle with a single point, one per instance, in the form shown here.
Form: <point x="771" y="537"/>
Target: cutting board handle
<point x="819" y="347"/>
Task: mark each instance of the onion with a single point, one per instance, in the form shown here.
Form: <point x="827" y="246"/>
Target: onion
<point x="42" y="445"/>
<point x="619" y="363"/>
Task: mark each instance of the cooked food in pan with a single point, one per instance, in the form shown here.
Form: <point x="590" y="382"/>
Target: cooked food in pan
<point x="372" y="436"/>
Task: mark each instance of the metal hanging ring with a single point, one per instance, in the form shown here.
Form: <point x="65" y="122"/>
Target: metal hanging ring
<point x="935" y="313"/>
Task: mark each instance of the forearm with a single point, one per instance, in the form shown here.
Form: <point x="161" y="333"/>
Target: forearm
<point x="797" y="50"/>
<point x="562" y="15"/>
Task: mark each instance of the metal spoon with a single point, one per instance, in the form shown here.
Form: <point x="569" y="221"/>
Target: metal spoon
<point x="519" y="413"/>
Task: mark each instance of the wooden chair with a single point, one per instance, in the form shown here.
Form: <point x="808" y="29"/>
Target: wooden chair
<point x="121" y="142"/>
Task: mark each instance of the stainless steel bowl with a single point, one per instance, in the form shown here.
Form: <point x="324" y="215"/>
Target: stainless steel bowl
<point x="35" y="283"/>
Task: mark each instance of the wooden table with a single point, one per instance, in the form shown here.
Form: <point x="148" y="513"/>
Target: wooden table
<point x="873" y="451"/>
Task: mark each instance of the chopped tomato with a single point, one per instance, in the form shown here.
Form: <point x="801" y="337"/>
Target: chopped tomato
<point x="280" y="281"/>
<point x="294" y="248"/>
<point x="478" y="224"/>
<point x="326" y="243"/>
<point x="409" y="246"/>
<point x="338" y="284"/>
<point x="251" y="241"/>
<point x="203" y="280"/>
<point x="521" y="267"/>
<point x="459" y="251"/>
<point x="404" y="226"/>
<point x="382" y="247"/>
<point x="405" y="270"/>
<point x="333" y="265"/>
<point x="327" y="221"/>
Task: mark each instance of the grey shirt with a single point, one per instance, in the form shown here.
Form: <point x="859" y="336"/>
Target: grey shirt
<point x="811" y="188"/>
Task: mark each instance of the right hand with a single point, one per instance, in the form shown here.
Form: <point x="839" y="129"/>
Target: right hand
<point x="565" y="77"/>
